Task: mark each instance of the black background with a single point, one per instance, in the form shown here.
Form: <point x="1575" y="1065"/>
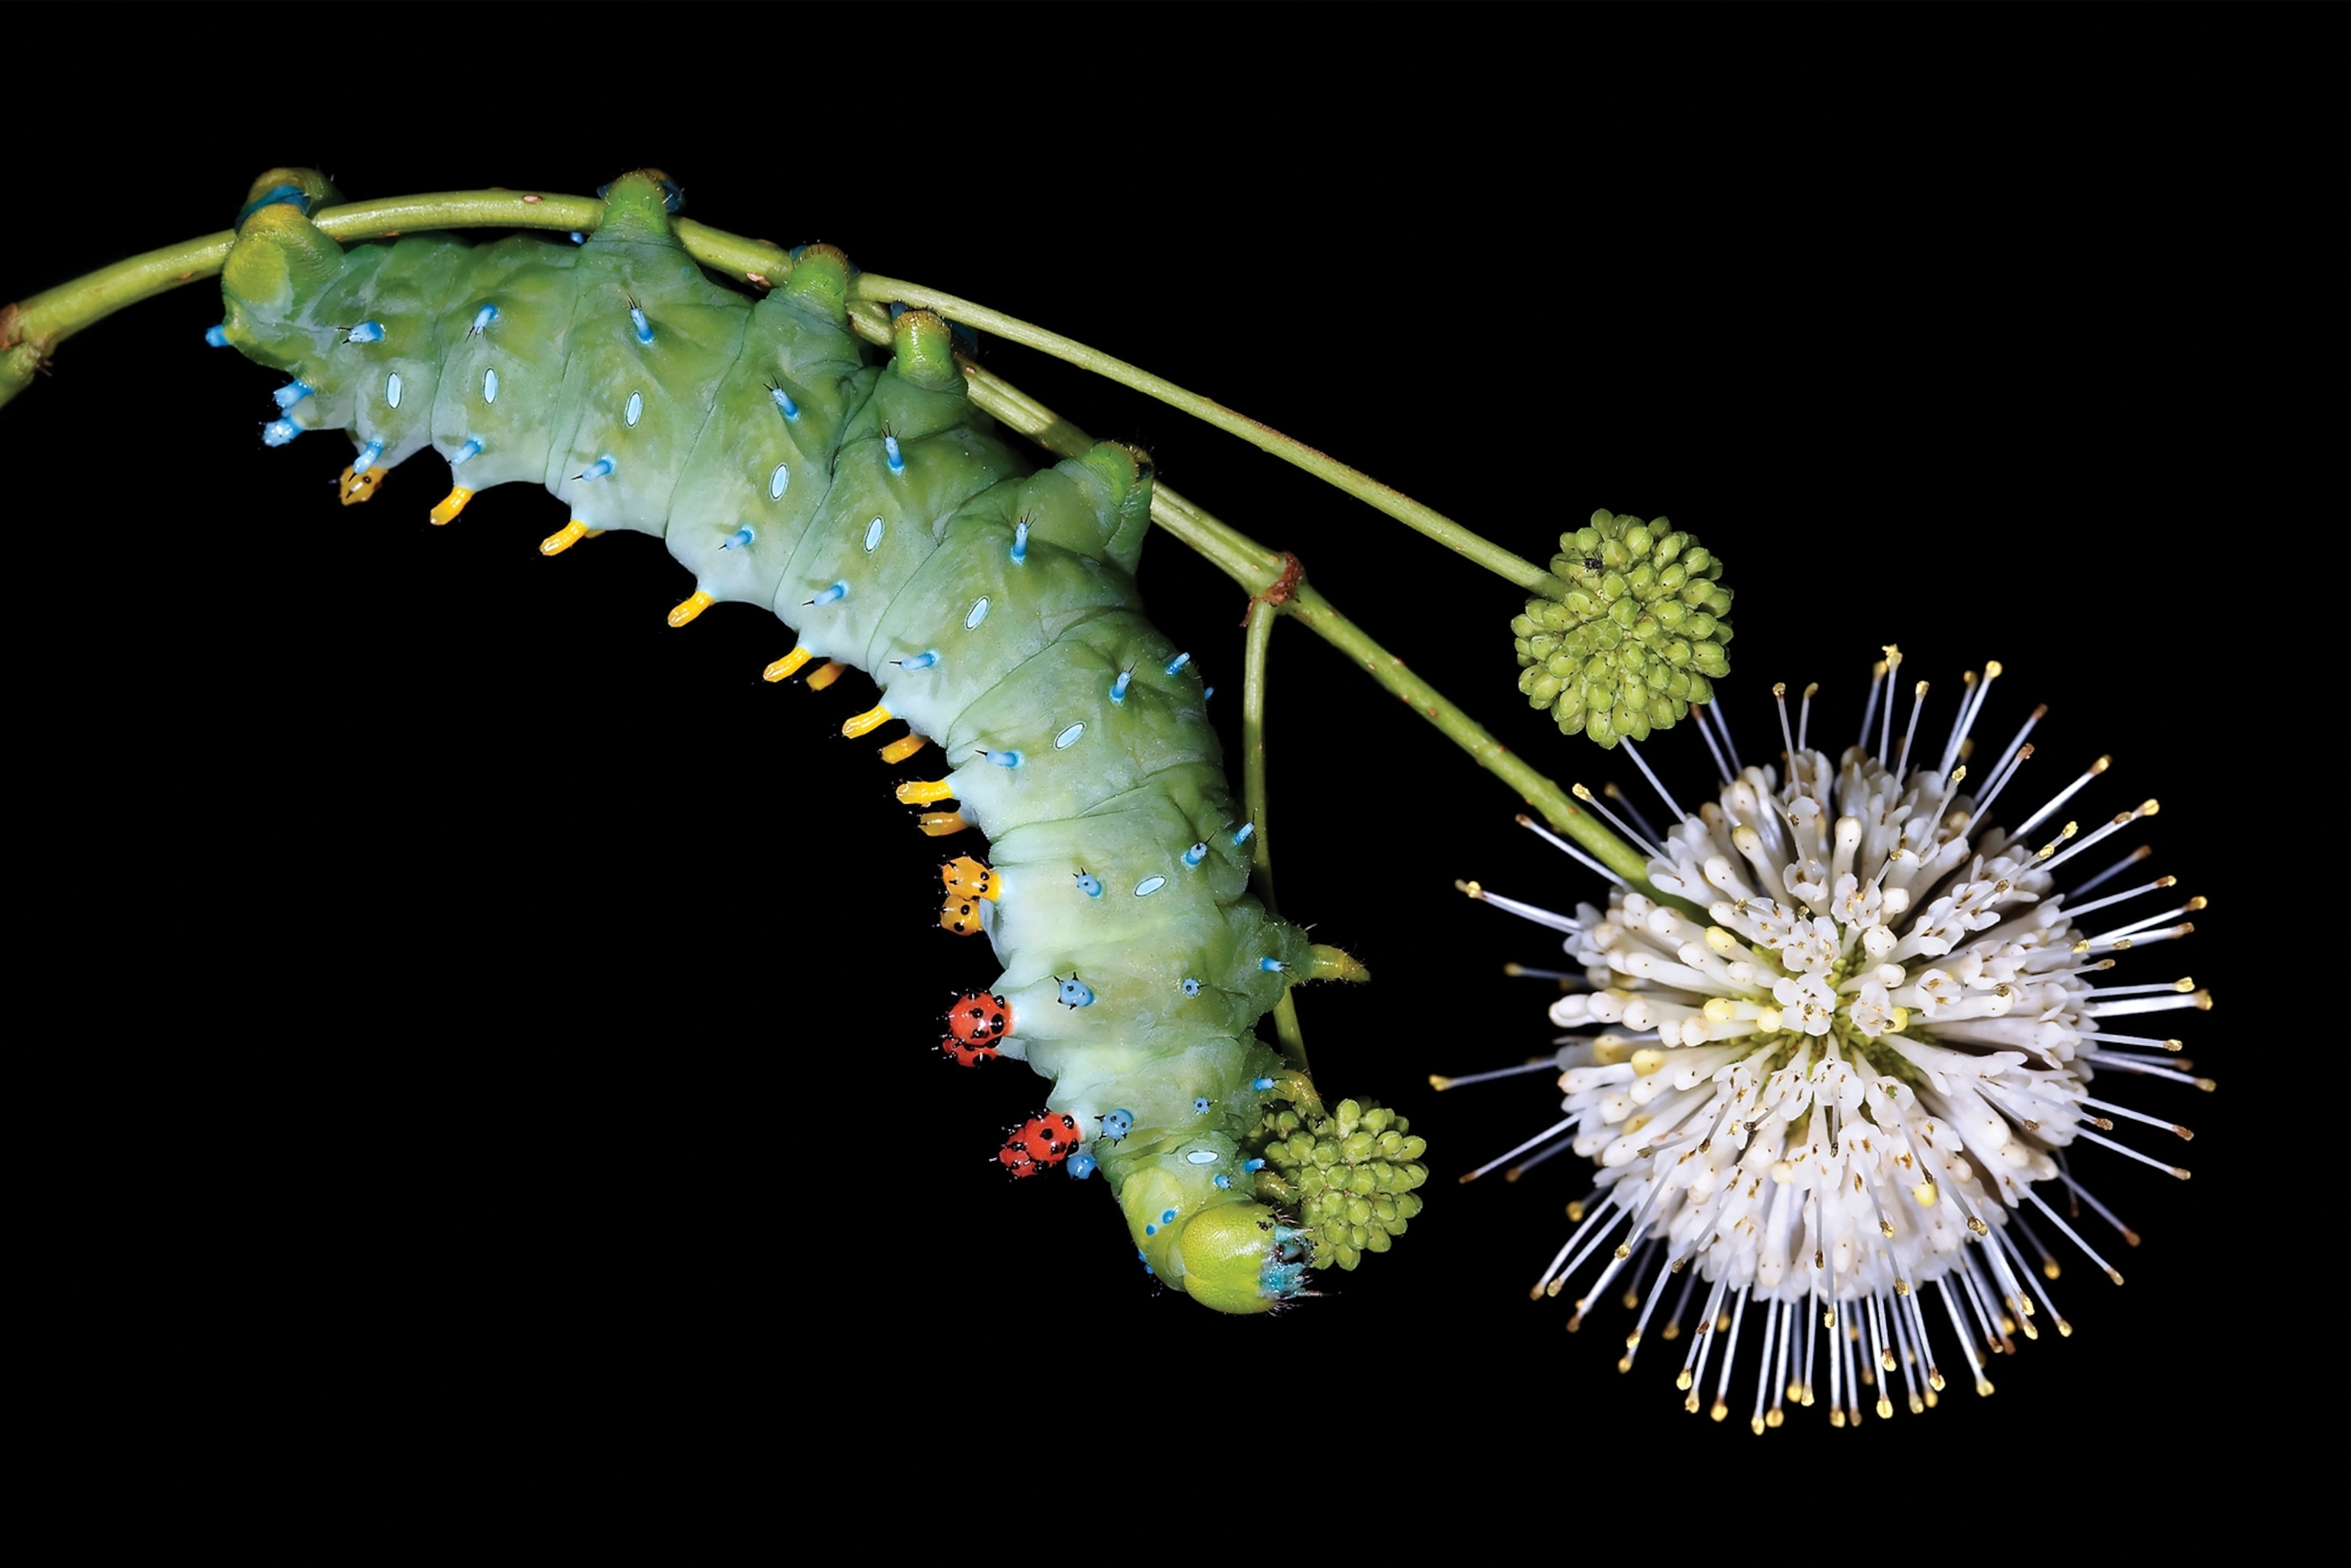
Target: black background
<point x="488" y="1012"/>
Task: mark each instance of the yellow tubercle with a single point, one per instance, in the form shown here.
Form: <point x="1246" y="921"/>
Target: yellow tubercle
<point x="939" y="824"/>
<point x="960" y="915"/>
<point x="564" y="538"/>
<point x="903" y="747"/>
<point x="865" y="723"/>
<point x="784" y="668"/>
<point x="691" y="608"/>
<point x="832" y="671"/>
<point x="355" y="488"/>
<point x="451" y="504"/>
<point x="923" y="791"/>
<point x="968" y="875"/>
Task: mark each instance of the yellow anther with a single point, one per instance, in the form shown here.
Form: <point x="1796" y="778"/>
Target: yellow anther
<point x="564" y="538"/>
<point x="784" y="668"/>
<point x="865" y="723"/>
<point x="939" y="824"/>
<point x="830" y="672"/>
<point x="903" y="747"/>
<point x="923" y="791"/>
<point x="359" y="487"/>
<point x="451" y="504"/>
<point x="691" y="608"/>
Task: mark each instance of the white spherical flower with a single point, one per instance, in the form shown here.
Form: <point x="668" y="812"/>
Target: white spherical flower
<point x="1824" y="1073"/>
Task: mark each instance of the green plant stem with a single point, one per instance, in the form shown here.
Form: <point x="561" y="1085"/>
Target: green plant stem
<point x="1260" y="641"/>
<point x="1465" y="542"/>
<point x="1310" y="609"/>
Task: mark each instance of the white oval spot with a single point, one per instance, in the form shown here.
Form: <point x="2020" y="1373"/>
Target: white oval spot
<point x="489" y="386"/>
<point x="1200" y="1157"/>
<point x="777" y="480"/>
<point x="872" y="535"/>
<point x="636" y="409"/>
<point x="979" y="613"/>
<point x="1149" y="885"/>
<point x="391" y="389"/>
<point x="1069" y="737"/>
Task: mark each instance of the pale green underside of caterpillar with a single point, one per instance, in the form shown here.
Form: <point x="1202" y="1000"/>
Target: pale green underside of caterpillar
<point x="874" y="510"/>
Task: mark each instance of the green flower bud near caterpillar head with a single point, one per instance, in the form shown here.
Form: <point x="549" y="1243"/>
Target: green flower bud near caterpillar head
<point x="1635" y="635"/>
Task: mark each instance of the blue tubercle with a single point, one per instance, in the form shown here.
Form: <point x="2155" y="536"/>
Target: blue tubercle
<point x="468" y="453"/>
<point x="838" y="590"/>
<point x="1075" y="993"/>
<point x="482" y="319"/>
<point x="743" y="536"/>
<point x="1019" y="542"/>
<point x="1201" y="1105"/>
<point x="1224" y="1182"/>
<point x="278" y="431"/>
<point x="1089" y="885"/>
<point x="1282" y="1279"/>
<point x="1208" y="692"/>
<point x="1177" y="662"/>
<point x="289" y="195"/>
<point x="1003" y="759"/>
<point x="1191" y="987"/>
<point x="217" y="336"/>
<point x="291" y="393"/>
<point x="897" y="458"/>
<point x="1117" y="1125"/>
<point x="1242" y="834"/>
<point x="578" y="238"/>
<point x="1252" y="1165"/>
<point x="922" y="661"/>
<point x="1081" y="1166"/>
<point x="1272" y="966"/>
<point x="1260" y="1084"/>
<point x="366" y="459"/>
<point x="1118" y="688"/>
<point x="1167" y="1217"/>
<point x="596" y="470"/>
<point x="637" y="320"/>
<point x="365" y="332"/>
<point x="1197" y="853"/>
<point x="784" y="403"/>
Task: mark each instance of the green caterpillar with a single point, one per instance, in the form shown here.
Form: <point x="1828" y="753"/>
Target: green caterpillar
<point x="875" y="507"/>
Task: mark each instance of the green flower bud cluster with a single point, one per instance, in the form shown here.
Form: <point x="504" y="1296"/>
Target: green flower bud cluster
<point x="1635" y="638"/>
<point x="1348" y="1175"/>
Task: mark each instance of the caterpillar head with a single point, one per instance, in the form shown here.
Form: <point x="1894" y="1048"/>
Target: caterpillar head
<point x="1236" y="1257"/>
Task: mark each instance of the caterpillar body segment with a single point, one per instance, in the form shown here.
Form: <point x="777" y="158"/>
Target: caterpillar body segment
<point x="875" y="511"/>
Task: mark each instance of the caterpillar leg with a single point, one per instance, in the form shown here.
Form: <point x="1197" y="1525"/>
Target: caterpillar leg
<point x="784" y="668"/>
<point x="563" y="538"/>
<point x="453" y="503"/>
<point x="832" y="671"/>
<point x="903" y="747"/>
